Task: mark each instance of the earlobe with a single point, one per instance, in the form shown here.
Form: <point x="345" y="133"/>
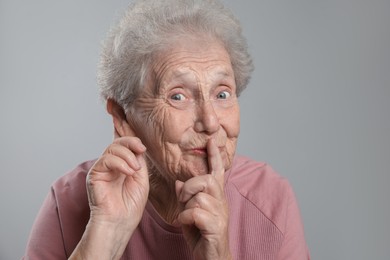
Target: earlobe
<point x="122" y="127"/>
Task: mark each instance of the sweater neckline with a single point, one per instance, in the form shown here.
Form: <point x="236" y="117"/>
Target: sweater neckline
<point x="155" y="216"/>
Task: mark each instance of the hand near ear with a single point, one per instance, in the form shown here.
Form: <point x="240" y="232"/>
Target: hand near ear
<point x="118" y="188"/>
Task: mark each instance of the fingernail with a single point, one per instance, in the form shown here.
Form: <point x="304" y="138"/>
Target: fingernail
<point x="178" y="187"/>
<point x="137" y="165"/>
<point x="129" y="170"/>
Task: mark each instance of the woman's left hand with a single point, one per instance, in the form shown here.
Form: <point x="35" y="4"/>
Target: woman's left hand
<point x="204" y="216"/>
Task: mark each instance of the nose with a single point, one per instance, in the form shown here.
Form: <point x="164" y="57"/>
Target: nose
<point x="207" y="119"/>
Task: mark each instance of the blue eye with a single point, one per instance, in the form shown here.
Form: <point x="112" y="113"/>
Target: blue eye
<point x="178" y="97"/>
<point x="223" y="95"/>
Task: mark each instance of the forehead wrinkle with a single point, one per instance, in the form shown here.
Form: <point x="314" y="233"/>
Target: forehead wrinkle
<point x="219" y="72"/>
<point x="186" y="58"/>
<point x="163" y="63"/>
<point x="183" y="73"/>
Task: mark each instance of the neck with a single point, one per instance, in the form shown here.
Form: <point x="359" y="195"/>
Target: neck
<point x="162" y="195"/>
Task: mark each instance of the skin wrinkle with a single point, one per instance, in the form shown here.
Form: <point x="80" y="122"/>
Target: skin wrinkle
<point x="171" y="133"/>
<point x="155" y="115"/>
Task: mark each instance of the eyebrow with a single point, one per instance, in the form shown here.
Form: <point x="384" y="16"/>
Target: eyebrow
<point x="220" y="72"/>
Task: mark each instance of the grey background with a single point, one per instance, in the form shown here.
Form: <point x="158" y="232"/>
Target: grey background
<point x="317" y="110"/>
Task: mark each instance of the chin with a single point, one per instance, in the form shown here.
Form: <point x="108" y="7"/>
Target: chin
<point x="192" y="165"/>
<point x="192" y="169"/>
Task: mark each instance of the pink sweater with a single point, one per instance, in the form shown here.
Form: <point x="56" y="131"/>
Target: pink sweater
<point x="264" y="219"/>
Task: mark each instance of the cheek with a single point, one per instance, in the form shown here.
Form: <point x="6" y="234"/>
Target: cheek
<point x="176" y="124"/>
<point x="170" y="127"/>
<point x="230" y="121"/>
<point x="231" y="125"/>
<point x="148" y="122"/>
<point x="162" y="129"/>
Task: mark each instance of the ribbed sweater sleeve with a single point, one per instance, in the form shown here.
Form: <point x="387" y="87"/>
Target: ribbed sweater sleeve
<point x="265" y="222"/>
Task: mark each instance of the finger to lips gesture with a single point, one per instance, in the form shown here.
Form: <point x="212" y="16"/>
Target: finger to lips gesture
<point x="205" y="213"/>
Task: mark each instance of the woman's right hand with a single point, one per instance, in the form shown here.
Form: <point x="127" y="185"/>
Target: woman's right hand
<point x="118" y="188"/>
<point x="118" y="183"/>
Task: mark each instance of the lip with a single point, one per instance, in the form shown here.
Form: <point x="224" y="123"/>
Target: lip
<point x="199" y="151"/>
<point x="202" y="151"/>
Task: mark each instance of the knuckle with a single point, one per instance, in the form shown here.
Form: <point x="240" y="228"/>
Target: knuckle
<point x="130" y="140"/>
<point x="110" y="148"/>
<point x="198" y="200"/>
<point x="106" y="158"/>
<point x="136" y="139"/>
<point x="90" y="182"/>
<point x="196" y="214"/>
<point x="220" y="224"/>
<point x="210" y="181"/>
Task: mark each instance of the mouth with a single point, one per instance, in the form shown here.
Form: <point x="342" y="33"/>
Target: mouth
<point x="202" y="151"/>
<point x="199" y="151"/>
<point x="199" y="148"/>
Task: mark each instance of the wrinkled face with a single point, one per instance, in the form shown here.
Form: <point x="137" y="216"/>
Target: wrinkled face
<point x="189" y="98"/>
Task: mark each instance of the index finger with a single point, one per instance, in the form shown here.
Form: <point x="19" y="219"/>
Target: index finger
<point x="134" y="144"/>
<point x="214" y="159"/>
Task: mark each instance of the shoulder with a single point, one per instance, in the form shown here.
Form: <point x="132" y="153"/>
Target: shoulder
<point x="62" y="218"/>
<point x="254" y="178"/>
<point x="73" y="181"/>
<point x="70" y="190"/>
<point x="72" y="206"/>
<point x="258" y="183"/>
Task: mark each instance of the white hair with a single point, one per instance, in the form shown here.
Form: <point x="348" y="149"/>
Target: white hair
<point x="149" y="27"/>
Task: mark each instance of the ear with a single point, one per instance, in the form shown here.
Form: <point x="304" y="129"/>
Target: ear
<point x="122" y="127"/>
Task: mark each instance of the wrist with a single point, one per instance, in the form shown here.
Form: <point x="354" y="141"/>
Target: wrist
<point x="102" y="240"/>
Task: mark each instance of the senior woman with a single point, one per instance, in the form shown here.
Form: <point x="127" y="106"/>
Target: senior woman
<point x="170" y="185"/>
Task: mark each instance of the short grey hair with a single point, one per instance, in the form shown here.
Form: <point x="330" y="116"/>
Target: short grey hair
<point x="149" y="27"/>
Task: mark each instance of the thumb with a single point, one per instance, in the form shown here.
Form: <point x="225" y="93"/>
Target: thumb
<point x="178" y="188"/>
<point x="142" y="174"/>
